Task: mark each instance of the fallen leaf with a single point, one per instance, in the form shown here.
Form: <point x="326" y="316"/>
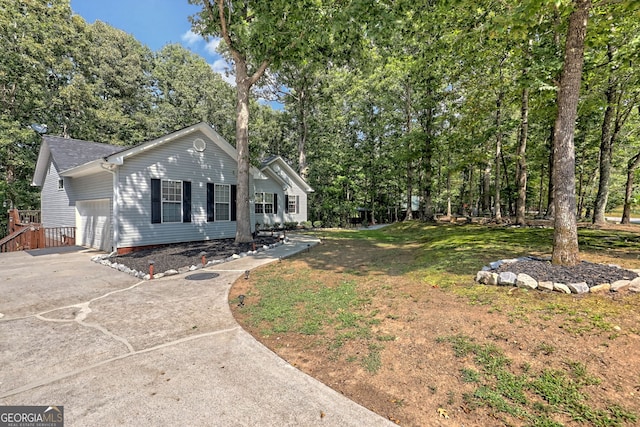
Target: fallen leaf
<point x="443" y="413"/>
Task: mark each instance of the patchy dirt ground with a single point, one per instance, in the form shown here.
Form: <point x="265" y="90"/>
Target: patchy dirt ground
<point x="419" y="381"/>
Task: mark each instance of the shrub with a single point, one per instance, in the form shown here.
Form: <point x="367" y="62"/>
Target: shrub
<point x="317" y="224"/>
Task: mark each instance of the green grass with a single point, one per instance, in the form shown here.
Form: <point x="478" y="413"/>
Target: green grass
<point x="303" y="306"/>
<point x="532" y="396"/>
<point x="447" y="257"/>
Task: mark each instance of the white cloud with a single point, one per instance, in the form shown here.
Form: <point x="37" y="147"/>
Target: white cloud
<point x="212" y="46"/>
<point x="225" y="69"/>
<point x="191" y="38"/>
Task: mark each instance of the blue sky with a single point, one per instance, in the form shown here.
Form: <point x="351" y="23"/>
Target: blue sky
<point x="154" y="23"/>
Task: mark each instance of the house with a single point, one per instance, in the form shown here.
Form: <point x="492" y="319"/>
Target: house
<point x="177" y="188"/>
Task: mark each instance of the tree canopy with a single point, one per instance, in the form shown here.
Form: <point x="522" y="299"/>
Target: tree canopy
<point x="391" y="110"/>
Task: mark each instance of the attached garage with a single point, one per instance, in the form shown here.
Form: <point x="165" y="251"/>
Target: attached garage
<point x="93" y="224"/>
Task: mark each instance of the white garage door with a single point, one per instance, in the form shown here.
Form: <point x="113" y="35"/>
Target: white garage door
<point x="93" y="224"/>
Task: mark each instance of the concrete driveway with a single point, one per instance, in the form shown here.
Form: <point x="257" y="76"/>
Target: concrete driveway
<point x="114" y="350"/>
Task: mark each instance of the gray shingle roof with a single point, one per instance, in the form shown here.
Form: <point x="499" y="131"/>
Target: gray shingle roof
<point x="266" y="161"/>
<point x="68" y="153"/>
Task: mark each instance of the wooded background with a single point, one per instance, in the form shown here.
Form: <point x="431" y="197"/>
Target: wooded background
<point x="450" y="104"/>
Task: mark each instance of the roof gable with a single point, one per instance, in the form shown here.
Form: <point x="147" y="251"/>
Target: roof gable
<point x="276" y="167"/>
<point x="114" y="159"/>
<point x="119" y="157"/>
<point x="67" y="153"/>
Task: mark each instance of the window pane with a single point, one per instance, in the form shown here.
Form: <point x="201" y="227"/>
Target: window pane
<point x="222" y="211"/>
<point x="268" y="197"/>
<point x="259" y="197"/>
<point x="259" y="208"/>
<point x="223" y="202"/>
<point x="171" y="212"/>
<point x="223" y="194"/>
<point x="172" y="191"/>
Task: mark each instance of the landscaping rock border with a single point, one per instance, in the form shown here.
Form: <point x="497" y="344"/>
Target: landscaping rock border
<point x="489" y="276"/>
<point x="104" y="260"/>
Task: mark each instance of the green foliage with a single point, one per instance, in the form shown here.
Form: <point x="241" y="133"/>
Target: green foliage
<point x="381" y="100"/>
<point x="301" y="306"/>
<point x="372" y="362"/>
<point x="506" y="392"/>
<point x="535" y="397"/>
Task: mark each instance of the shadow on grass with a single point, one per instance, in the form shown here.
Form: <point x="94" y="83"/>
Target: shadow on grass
<point x="451" y="249"/>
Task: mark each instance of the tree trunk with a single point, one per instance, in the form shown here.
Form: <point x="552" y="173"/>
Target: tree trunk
<point x="606" y="150"/>
<point x="409" y="214"/>
<point x="408" y="124"/>
<point x="565" y="236"/>
<point x="303" y="169"/>
<point x="243" y="87"/>
<point x="522" y="160"/>
<point x="471" y="195"/>
<point x="243" y="219"/>
<point x="486" y="189"/>
<point x="498" y="159"/>
<point x="628" y="194"/>
<point x="551" y="204"/>
<point x="429" y="213"/>
<point x="541" y="190"/>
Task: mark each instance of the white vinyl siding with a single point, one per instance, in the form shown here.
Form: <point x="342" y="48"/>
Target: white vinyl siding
<point x="177" y="161"/>
<point x="56" y="208"/>
<point x="282" y="215"/>
<point x="58" y="205"/>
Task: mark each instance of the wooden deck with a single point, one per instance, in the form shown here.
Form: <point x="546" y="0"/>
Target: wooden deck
<point x="26" y="232"/>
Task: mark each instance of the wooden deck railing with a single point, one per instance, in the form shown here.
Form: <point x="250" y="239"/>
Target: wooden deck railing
<point x="29" y="217"/>
<point x="36" y="237"/>
<point x="26" y="232"/>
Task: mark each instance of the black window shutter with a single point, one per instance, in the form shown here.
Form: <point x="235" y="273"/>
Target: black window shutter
<point x="275" y="203"/>
<point x="211" y="188"/>
<point x="234" y="191"/>
<point x="297" y="204"/>
<point x="186" y="201"/>
<point x="156" y="201"/>
<point x="286" y="204"/>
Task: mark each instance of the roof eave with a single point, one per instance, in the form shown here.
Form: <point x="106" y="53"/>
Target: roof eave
<point x="290" y="172"/>
<point x="84" y="169"/>
<point x="41" y="165"/>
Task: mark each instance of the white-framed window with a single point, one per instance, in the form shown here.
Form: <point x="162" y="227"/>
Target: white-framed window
<point x="61" y="184"/>
<point x="222" y="202"/>
<point x="292" y="204"/>
<point x="264" y="203"/>
<point x="171" y="201"/>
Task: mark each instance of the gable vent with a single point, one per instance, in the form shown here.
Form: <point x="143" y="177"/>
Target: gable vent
<point x="199" y="145"/>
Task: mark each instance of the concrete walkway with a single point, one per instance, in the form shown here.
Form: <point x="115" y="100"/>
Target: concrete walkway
<point x="117" y="351"/>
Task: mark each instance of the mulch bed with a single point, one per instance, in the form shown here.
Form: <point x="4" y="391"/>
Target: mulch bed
<point x="180" y="255"/>
<point x="591" y="273"/>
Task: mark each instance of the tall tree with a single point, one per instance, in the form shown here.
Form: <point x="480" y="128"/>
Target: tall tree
<point x="34" y="65"/>
<point x="186" y="91"/>
<point x="256" y="35"/>
<point x="565" y="236"/>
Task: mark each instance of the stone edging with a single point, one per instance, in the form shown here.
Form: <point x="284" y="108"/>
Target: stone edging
<point x="507" y="278"/>
<point x="104" y="260"/>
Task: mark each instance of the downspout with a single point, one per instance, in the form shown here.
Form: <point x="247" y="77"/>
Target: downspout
<point x="113" y="169"/>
